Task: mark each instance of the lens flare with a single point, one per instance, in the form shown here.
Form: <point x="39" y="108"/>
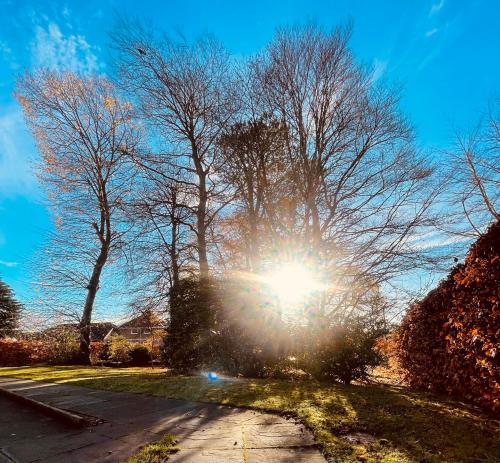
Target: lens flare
<point x="293" y="282"/>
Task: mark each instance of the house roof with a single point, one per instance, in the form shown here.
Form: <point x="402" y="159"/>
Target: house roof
<point x="147" y="319"/>
<point x="98" y="330"/>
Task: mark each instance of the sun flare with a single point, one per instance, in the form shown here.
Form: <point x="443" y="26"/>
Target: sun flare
<point x="293" y="282"/>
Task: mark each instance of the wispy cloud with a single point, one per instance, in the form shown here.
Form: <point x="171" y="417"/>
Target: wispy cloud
<point x="7" y="56"/>
<point x="378" y="68"/>
<point x="431" y="32"/>
<point x="5" y="50"/>
<point x="435" y="240"/>
<point x="53" y="49"/>
<point x="436" y="7"/>
<point x="16" y="154"/>
<point x="7" y="263"/>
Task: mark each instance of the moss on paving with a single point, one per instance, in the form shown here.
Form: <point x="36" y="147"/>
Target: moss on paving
<point x="157" y="452"/>
<point x="408" y="426"/>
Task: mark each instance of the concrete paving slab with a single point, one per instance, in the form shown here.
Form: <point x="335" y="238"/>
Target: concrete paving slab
<point x="279" y="435"/>
<point x="208" y="456"/>
<point x="199" y="440"/>
<point x="30" y="450"/>
<point x="284" y="455"/>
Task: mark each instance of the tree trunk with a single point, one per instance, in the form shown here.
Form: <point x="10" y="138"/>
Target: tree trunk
<point x="201" y="218"/>
<point x="202" y="244"/>
<point x="254" y="245"/>
<point x="173" y="254"/>
<point x="104" y="234"/>
<point x="93" y="286"/>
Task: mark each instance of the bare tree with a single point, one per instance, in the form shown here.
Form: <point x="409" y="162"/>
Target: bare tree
<point x="83" y="130"/>
<point x="185" y="93"/>
<point x="256" y="166"/>
<point x="364" y="191"/>
<point x="161" y="244"/>
<point x="475" y="174"/>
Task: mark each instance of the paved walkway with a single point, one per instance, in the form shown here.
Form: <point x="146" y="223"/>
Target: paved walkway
<point x="207" y="433"/>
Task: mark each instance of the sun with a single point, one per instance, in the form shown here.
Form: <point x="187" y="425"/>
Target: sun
<point x="293" y="282"/>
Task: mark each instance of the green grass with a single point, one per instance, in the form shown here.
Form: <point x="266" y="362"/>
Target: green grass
<point x="408" y="426"/>
<point x="157" y="452"/>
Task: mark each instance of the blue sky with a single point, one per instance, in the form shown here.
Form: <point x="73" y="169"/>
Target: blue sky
<point x="444" y="53"/>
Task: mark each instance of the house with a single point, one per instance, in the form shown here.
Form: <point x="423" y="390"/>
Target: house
<point x="145" y="327"/>
<point x="99" y="330"/>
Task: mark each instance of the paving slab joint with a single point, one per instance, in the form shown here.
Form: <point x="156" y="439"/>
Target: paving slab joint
<point x="285" y="447"/>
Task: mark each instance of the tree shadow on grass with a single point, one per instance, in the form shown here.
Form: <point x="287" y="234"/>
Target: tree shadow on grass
<point x="421" y="426"/>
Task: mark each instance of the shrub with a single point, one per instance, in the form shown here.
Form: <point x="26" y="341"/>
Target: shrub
<point x="139" y="356"/>
<point x="226" y="325"/>
<point x="99" y="351"/>
<point x="223" y="325"/>
<point x="391" y="369"/>
<point x="236" y="353"/>
<point x="105" y="352"/>
<point x="422" y="347"/>
<point x="344" y="353"/>
<point x="64" y="346"/>
<point x="448" y="342"/>
<point x="156" y="349"/>
<point x="14" y="353"/>
<point x="188" y="343"/>
<point x="18" y="353"/>
<point x="119" y="349"/>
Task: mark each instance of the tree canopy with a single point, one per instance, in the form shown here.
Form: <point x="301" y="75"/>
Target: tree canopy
<point x="10" y="311"/>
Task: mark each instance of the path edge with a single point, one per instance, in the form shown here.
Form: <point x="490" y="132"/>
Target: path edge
<point x="58" y="413"/>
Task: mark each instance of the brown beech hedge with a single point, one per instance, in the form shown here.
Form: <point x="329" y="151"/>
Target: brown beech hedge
<point x="449" y="341"/>
<point x="15" y="353"/>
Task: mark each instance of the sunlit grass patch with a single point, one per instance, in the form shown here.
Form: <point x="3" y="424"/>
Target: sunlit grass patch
<point x="157" y="452"/>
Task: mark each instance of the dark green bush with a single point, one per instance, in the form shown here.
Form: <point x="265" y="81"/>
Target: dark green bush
<point x="10" y="311"/>
<point x="344" y="353"/>
<point x="139" y="356"/>
<point x="187" y="347"/>
<point x="219" y="325"/>
<point x="238" y="353"/>
<point x="225" y="326"/>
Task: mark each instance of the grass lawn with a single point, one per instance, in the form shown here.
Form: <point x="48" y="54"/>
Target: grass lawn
<point x="408" y="426"/>
<point x="157" y="452"/>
